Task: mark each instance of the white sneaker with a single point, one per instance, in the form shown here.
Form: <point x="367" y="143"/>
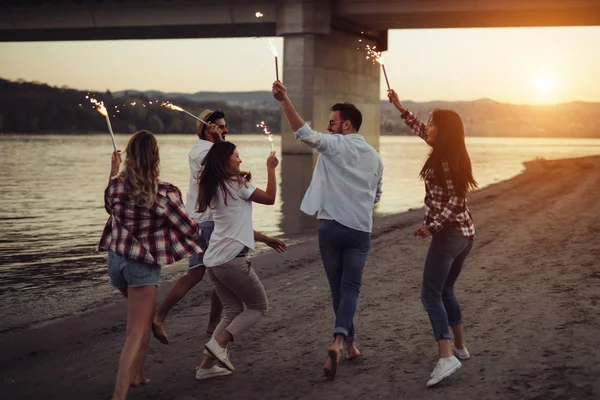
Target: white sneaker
<point x="212" y="372"/>
<point x="461" y="354"/>
<point x="444" y="368"/>
<point x="219" y="353"/>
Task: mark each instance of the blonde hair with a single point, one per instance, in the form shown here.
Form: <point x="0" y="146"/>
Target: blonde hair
<point x="140" y="171"/>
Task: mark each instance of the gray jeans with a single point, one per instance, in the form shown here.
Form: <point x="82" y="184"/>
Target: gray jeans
<point x="447" y="253"/>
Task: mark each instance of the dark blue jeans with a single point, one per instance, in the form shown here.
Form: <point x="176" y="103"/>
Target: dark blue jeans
<point x="344" y="254"/>
<point x="447" y="253"/>
<point x="206" y="229"/>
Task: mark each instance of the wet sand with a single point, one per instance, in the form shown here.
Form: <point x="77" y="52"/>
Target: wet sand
<point x="530" y="292"/>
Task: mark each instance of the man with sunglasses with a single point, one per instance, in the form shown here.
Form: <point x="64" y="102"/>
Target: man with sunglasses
<point x="213" y="131"/>
<point x="346" y="184"/>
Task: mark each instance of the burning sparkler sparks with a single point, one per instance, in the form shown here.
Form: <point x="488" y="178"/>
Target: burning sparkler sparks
<point x="258" y="14"/>
<point x="373" y="54"/>
<point x="177" y="108"/>
<point x="99" y="105"/>
<point x="265" y="129"/>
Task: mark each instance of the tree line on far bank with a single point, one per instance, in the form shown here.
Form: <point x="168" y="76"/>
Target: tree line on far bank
<point x="32" y="107"/>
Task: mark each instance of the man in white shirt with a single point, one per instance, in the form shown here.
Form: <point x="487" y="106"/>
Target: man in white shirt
<point x="346" y="184"/>
<point x="207" y="135"/>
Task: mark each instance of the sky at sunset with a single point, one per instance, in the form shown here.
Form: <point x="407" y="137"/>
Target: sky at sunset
<point x="512" y="65"/>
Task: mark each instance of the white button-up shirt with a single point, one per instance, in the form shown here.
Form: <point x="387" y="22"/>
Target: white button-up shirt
<point x="199" y="150"/>
<point x="347" y="179"/>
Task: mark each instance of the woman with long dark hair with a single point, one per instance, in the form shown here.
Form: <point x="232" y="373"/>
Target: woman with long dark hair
<point x="224" y="188"/>
<point x="148" y="227"/>
<point x="448" y="178"/>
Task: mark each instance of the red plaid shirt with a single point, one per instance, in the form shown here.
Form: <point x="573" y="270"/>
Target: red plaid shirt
<point x="160" y="234"/>
<point x="443" y="207"/>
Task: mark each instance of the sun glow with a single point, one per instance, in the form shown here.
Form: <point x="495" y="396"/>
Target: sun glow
<point x="544" y="84"/>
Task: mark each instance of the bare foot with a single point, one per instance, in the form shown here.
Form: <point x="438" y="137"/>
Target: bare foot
<point x="139" y="381"/>
<point x="331" y="365"/>
<point x="158" y="330"/>
<point x="351" y="351"/>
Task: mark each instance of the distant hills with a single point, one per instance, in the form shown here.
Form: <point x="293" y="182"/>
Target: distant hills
<point x="33" y="107"/>
<point x="483" y="117"/>
<point x="246" y="99"/>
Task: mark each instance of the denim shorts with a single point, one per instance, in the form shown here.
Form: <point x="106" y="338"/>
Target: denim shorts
<point x="124" y="273"/>
<point x="206" y="229"/>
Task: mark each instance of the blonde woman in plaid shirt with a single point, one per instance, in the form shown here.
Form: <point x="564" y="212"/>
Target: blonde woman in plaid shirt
<point x="148" y="227"/>
<point x="448" y="178"/>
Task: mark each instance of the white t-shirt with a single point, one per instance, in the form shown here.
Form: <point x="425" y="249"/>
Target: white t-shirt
<point x="233" y="224"/>
<point x="199" y="150"/>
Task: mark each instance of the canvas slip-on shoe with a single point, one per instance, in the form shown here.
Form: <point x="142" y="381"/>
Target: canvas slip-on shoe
<point x="212" y="372"/>
<point x="219" y="353"/>
<point x="444" y="368"/>
<point x="461" y="354"/>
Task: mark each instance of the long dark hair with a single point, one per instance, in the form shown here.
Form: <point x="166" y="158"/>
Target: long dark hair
<point x="215" y="174"/>
<point x="449" y="147"/>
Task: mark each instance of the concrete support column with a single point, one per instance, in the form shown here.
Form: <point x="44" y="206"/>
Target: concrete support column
<point x="321" y="67"/>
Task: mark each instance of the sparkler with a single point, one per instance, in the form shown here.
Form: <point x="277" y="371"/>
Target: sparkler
<point x="275" y="54"/>
<point x="266" y="132"/>
<point x="376" y="57"/>
<point x="258" y="14"/>
<point x="99" y="105"/>
<point x="177" y="108"/>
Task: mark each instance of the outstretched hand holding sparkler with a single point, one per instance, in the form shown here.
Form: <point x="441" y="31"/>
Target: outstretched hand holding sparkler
<point x="395" y="100"/>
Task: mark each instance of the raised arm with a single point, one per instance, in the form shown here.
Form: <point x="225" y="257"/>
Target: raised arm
<point x="115" y="163"/>
<point x="318" y="141"/>
<point x="414" y="123"/>
<point x="267" y="196"/>
<point x="280" y="94"/>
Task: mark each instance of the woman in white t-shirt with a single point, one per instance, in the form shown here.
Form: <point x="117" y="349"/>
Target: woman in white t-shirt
<point x="223" y="189"/>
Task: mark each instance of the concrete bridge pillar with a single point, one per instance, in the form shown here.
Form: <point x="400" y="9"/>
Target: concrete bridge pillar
<point x="321" y="67"/>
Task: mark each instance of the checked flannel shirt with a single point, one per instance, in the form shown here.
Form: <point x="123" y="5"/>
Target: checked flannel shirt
<point x="443" y="207"/>
<point x="160" y="234"/>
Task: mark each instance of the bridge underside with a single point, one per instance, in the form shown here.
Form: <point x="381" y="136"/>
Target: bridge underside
<point x="51" y="20"/>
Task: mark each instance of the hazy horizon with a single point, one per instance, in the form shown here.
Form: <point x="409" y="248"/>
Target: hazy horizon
<point x="259" y="90"/>
<point x="523" y="66"/>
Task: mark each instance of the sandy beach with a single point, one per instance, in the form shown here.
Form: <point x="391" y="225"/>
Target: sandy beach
<point x="530" y="292"/>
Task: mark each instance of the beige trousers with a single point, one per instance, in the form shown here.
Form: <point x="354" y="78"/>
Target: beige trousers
<point x="237" y="285"/>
